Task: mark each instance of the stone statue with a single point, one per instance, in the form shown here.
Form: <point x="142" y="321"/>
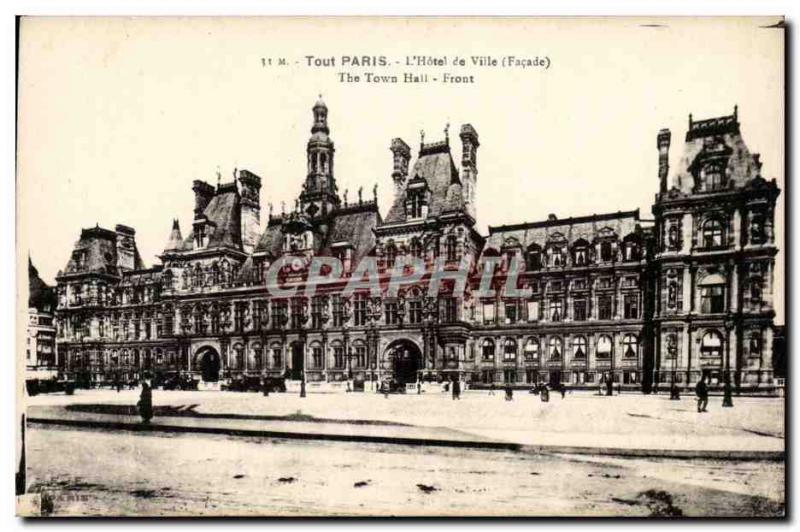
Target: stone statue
<point x="375" y="192"/>
<point x="360" y="190"/>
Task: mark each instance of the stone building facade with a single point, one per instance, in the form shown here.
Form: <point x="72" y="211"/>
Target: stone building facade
<point x="611" y="296"/>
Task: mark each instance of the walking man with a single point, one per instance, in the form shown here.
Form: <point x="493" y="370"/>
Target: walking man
<point x="702" y="395"/>
<point x="456" y="389"/>
<point x="146" y="403"/>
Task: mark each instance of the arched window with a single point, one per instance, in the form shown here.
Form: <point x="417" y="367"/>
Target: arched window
<point x="630" y="345"/>
<point x="712" y="294"/>
<point x="510" y="349"/>
<point x="556" y="347"/>
<point x="673" y="238"/>
<point x="532" y="349"/>
<point x="487" y="349"/>
<point x="712" y="233"/>
<point x="604" y="346"/>
<point x="579" y="347"/>
<point x="711" y="345"/>
<point x="450" y="250"/>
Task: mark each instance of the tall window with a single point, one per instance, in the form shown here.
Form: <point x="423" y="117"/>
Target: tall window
<point x="579" y="347"/>
<point x="712" y="233"/>
<point x="487" y="349"/>
<point x="580" y="256"/>
<point x="532" y="349"/>
<point x="316" y="356"/>
<point x="556" y="309"/>
<point x="714" y="176"/>
<point x="360" y="310"/>
<point x="556" y="348"/>
<point x="415" y="311"/>
<point x="316" y="312"/>
<point x="711" y="345"/>
<point x="279" y="313"/>
<point x="338" y="311"/>
<point x="450" y="249"/>
<point x="712" y="299"/>
<point x="606" y="251"/>
<point x="509" y="350"/>
<point x="297" y="313"/>
<point x="415" y="208"/>
<point x="604" y="346"/>
<point x="757" y="235"/>
<point x="604" y="307"/>
<point x="239" y="310"/>
<point x="533" y="310"/>
<point x="360" y="356"/>
<point x="391" y="255"/>
<point x="511" y="312"/>
<point x="579" y="309"/>
<point x="338" y="356"/>
<point x="416" y="248"/>
<point x="390" y="313"/>
<point x="449" y="309"/>
<point x="630" y="345"/>
<point x="534" y="258"/>
<point x="631" y="306"/>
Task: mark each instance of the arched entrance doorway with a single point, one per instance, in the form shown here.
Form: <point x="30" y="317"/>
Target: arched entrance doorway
<point x="406" y="360"/>
<point x="208" y="362"/>
<point x="298" y="361"/>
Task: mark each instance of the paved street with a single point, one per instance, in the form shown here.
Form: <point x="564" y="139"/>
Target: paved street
<point x="94" y="472"/>
<point x="91" y="471"/>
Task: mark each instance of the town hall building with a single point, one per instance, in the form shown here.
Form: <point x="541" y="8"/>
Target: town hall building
<point x="613" y="296"/>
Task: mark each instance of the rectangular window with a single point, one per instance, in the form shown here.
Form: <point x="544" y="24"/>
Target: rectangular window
<point x="279" y="316"/>
<point x="488" y="313"/>
<point x="712" y="299"/>
<point x="316" y="312"/>
<point x="511" y="312"/>
<point x="415" y="311"/>
<point x="360" y="311"/>
<point x="449" y="309"/>
<point x="604" y="307"/>
<point x="259" y="314"/>
<point x="238" y="316"/>
<point x="579" y="310"/>
<point x="297" y="313"/>
<point x="390" y="313"/>
<point x="631" y="304"/>
<point x="338" y="311"/>
<point x="533" y="311"/>
<point x="556" y="310"/>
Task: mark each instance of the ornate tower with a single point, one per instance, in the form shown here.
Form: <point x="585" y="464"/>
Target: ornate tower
<point x="469" y="165"/>
<point x="320" y="194"/>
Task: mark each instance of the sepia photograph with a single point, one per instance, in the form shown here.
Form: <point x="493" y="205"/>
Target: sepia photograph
<point x="401" y="267"/>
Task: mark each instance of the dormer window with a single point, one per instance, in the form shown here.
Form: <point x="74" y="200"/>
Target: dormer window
<point x="391" y="255"/>
<point x="713" y="176"/>
<point x="450" y="249"/>
<point x="606" y="251"/>
<point x="415" y="206"/>
<point x="200" y="238"/>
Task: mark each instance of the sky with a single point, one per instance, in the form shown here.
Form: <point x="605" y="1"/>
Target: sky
<point x="117" y="117"/>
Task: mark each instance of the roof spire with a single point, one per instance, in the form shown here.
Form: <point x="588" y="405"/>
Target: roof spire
<point x="421" y="137"/>
<point x="447" y="132"/>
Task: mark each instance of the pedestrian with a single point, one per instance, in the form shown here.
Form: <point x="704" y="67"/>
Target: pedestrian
<point x="146" y="403"/>
<point x="118" y="383"/>
<point x="563" y="390"/>
<point x="419" y="387"/>
<point x="674" y="392"/>
<point x="456" y="389"/>
<point x="610" y="386"/>
<point x="509" y="392"/>
<point x="264" y="385"/>
<point x="545" y="394"/>
<point x="702" y="395"/>
<point x="491" y="388"/>
<point x="727" y="394"/>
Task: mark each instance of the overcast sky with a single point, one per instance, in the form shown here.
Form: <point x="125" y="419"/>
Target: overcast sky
<point x="117" y="117"/>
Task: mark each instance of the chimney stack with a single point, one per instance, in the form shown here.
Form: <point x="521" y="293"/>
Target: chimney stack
<point x="401" y="155"/>
<point x="664" y="138"/>
<point x="203" y="192"/>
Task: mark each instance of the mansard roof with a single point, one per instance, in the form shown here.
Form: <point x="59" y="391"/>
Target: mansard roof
<point x="354" y="226"/>
<point x="619" y="224"/>
<point x="435" y="166"/>
<point x="96" y="252"/>
<point x="715" y="138"/>
<point x="223" y="215"/>
<point x="41" y="296"/>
